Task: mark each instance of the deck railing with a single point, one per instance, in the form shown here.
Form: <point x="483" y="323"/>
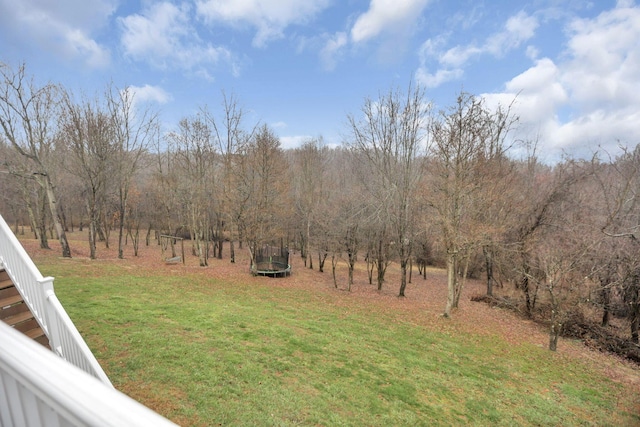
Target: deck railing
<point x="37" y="388"/>
<point x="37" y="292"/>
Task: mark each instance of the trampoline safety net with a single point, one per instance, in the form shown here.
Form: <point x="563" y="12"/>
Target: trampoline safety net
<point x="271" y="261"/>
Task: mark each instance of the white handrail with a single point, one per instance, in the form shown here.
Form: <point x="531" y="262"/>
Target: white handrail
<point x="38" y="388"/>
<point x="38" y="294"/>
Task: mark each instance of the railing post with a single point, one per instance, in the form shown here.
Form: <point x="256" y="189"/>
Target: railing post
<point x="45" y="286"/>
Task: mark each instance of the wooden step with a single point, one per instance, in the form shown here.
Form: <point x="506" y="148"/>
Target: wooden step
<point x="18" y="318"/>
<point x="5" y="280"/>
<point x="5" y="302"/>
<point x="43" y="340"/>
<point x="9" y="294"/>
<point x="34" y="333"/>
<point x="15" y="312"/>
<point x="27" y="325"/>
<point x="31" y="328"/>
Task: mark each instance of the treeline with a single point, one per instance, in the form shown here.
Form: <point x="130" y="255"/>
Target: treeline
<point x="410" y="185"/>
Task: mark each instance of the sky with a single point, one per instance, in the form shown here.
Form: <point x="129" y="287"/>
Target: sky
<point x="569" y="68"/>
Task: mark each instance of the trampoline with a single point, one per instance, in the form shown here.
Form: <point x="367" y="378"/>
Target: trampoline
<point x="271" y="262"/>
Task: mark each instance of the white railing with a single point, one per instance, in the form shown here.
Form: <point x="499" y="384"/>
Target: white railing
<point x="38" y="294"/>
<point x="38" y="388"/>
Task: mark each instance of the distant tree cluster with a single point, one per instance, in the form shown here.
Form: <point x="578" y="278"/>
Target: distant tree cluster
<point x="410" y="185"/>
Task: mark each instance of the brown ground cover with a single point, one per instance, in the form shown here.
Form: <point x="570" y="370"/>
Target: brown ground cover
<point x="423" y="304"/>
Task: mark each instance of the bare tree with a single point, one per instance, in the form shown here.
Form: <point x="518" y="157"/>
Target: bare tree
<point x="21" y="185"/>
<point x="391" y="139"/>
<point x="194" y="156"/>
<point x="90" y="134"/>
<point x="133" y="131"/>
<point x="308" y="166"/>
<point x="345" y="212"/>
<point x="231" y="137"/>
<point x="463" y="137"/>
<point x="266" y="182"/>
<point x="166" y="180"/>
<point x="28" y="121"/>
<point x="620" y="189"/>
<point x="561" y="252"/>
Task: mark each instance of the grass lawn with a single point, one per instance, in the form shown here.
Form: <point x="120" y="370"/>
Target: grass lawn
<point x="205" y="350"/>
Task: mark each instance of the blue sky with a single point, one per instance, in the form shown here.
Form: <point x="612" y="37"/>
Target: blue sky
<point x="300" y="66"/>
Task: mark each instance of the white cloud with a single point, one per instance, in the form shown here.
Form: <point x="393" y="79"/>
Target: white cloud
<point x="287" y="142"/>
<point x="332" y="49"/>
<point x="459" y="55"/>
<point x="595" y="83"/>
<point x="81" y="45"/>
<point x="518" y="29"/>
<point x="393" y="18"/>
<point x="279" y="125"/>
<point x="64" y="27"/>
<point x="532" y="52"/>
<point x="536" y="96"/>
<point x="268" y="17"/>
<point x="441" y="76"/>
<point x="386" y="15"/>
<point x="163" y="36"/>
<point x="451" y="62"/>
<point x="148" y="93"/>
<point x="604" y="59"/>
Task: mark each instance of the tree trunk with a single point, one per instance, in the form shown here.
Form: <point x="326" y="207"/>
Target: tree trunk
<point x="135" y="239"/>
<point x="201" y="251"/>
<point x="42" y="223"/>
<point x="403" y="277"/>
<point x="381" y="265"/>
<point x="147" y="238"/>
<point x="121" y="235"/>
<point x="370" y="265"/>
<point x="606" y="305"/>
<point x="488" y="261"/>
<point x="524" y="284"/>
<point x="460" y="282"/>
<point x="634" y="307"/>
<point x="53" y="207"/>
<point x="554" y="333"/>
<point x="352" y="263"/>
<point x="303" y="248"/>
<point x="220" y="246"/>
<point x="93" y="226"/>
<point x="322" y="257"/>
<point x="556" y="325"/>
<point x="32" y="221"/>
<point x="63" y="217"/>
<point x="308" y="240"/>
<point x="92" y="239"/>
<point x="196" y="236"/>
<point x="103" y="229"/>
<point x="405" y="259"/>
<point x="451" y="282"/>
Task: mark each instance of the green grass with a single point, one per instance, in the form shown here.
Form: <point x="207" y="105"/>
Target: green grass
<point x="206" y="352"/>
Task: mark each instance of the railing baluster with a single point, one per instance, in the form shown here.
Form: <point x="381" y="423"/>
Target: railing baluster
<point x="39" y="295"/>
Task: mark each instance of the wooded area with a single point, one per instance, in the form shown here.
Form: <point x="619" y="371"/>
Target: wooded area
<point x="410" y="185"/>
